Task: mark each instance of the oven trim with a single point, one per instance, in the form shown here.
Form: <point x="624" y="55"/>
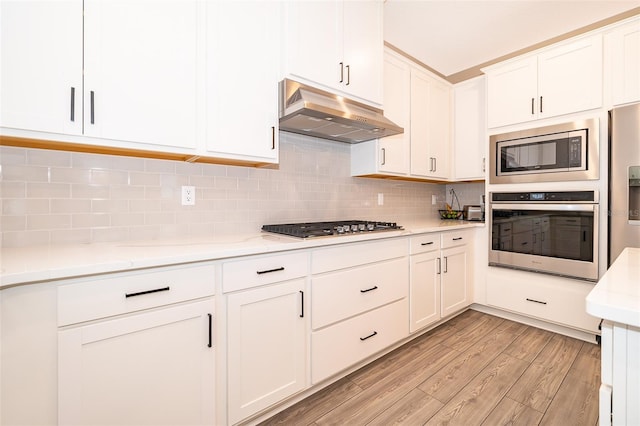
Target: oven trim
<point x="591" y="151"/>
<point x="570" y="268"/>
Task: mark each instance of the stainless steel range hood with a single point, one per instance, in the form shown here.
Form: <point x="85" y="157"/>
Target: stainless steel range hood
<point x="314" y="112"/>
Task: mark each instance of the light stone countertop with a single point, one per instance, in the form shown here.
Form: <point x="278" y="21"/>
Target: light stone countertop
<point x="616" y="297"/>
<point x="33" y="264"/>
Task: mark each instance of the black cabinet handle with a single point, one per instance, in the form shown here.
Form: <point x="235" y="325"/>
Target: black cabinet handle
<point x="210" y="344"/>
<point x="535" y="301"/>
<point x="273" y="137"/>
<point x="445" y="264"/>
<point x="341" y="72"/>
<point x="142" y="293"/>
<point x="533" y="100"/>
<point x="427" y="244"/>
<point x="540" y="103"/>
<point x="92" y="102"/>
<point x="375" y="287"/>
<point x="457" y="238"/>
<point x="384" y="157"/>
<point x="348" y="67"/>
<point x="268" y="271"/>
<point x="73" y="104"/>
<point x="301" y="304"/>
<point x="369" y="336"/>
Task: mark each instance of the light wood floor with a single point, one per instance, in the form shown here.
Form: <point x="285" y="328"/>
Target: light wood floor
<point x="475" y="369"/>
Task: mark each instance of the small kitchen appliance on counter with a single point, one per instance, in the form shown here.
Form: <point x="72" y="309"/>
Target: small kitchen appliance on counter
<point x="472" y="213"/>
<point x="324" y="229"/>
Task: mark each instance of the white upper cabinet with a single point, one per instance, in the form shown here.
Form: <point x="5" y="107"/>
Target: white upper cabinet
<point x="469" y="130"/>
<point x="430" y="126"/>
<point x="140" y="77"/>
<point x="389" y="156"/>
<point x="41" y="60"/>
<point x="561" y="80"/>
<point x="243" y="70"/>
<point x="337" y="44"/>
<point x="624" y="43"/>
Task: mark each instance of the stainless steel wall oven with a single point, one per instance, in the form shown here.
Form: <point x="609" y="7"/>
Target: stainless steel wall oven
<point x="548" y="232"/>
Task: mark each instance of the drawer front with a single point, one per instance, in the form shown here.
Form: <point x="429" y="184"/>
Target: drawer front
<point x="260" y="270"/>
<point x="424" y="243"/>
<point x="339" y="295"/>
<point x="349" y="255"/>
<point x="121" y="293"/>
<point x="344" y="344"/>
<point x="549" y="298"/>
<point x="456" y="238"/>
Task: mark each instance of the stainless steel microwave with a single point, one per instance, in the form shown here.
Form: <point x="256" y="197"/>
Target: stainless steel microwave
<point x="561" y="152"/>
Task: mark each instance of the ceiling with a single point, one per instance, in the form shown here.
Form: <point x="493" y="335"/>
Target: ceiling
<point x="455" y="37"/>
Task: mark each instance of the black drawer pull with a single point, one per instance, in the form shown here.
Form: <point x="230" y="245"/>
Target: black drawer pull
<point x="270" y="270"/>
<point x="369" y="336"/>
<point x="375" y="287"/>
<point x="457" y="238"/>
<point x="427" y="244"/>
<point x="536" y="301"/>
<point x="301" y="304"/>
<point x="210" y="344"/>
<point x="142" y="293"/>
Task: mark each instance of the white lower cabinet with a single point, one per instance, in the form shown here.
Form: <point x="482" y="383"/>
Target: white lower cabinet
<point x="440" y="282"/>
<point x="267" y="356"/>
<point x="151" y="368"/>
<point x="359" y="303"/>
<point x="137" y="348"/>
<point x="620" y="388"/>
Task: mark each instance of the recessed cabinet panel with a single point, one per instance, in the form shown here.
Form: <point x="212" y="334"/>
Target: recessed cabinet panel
<point x="41" y="60"/>
<point x="141" y="80"/>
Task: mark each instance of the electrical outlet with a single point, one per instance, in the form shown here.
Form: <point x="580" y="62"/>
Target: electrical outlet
<point x="434" y="200"/>
<point x="380" y="198"/>
<point x="188" y="195"/>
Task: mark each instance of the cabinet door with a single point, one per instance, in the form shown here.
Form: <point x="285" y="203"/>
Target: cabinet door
<point x="511" y="93"/>
<point x="41" y="65"/>
<point x="470" y="130"/>
<point x="430" y="126"/>
<point x="267" y="342"/>
<point x="362" y="49"/>
<point x="455" y="289"/>
<point x="152" y="368"/>
<point x="424" y="290"/>
<point x="394" y="150"/>
<point x="625" y="58"/>
<point x="141" y="69"/>
<point x="570" y="78"/>
<point x="314" y="41"/>
<point x="243" y="64"/>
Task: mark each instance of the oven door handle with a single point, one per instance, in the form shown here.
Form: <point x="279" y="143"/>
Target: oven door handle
<point x="566" y="207"/>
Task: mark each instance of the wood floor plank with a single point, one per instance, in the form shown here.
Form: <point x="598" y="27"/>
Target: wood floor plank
<point x="529" y="344"/>
<point x="575" y="403"/>
<point x="586" y="366"/>
<point x="307" y="411"/>
<point x="539" y="383"/>
<point x="365" y="406"/>
<point x="478" y="398"/>
<point x="462" y="339"/>
<point x="448" y="381"/>
<point x="412" y="409"/>
<point x="510" y="412"/>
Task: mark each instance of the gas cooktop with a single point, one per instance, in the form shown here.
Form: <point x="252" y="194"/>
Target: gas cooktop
<point x="324" y="229"/>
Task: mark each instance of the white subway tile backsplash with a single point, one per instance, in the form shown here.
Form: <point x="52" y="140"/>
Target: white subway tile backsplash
<point x="62" y="197"/>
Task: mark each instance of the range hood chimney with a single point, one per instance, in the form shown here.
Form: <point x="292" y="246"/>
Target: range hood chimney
<point x="314" y="112"/>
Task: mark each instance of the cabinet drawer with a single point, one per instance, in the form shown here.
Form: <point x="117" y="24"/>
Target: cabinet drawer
<point x="344" y="344"/>
<point x="116" y="294"/>
<point x="348" y="255"/>
<point x="339" y="295"/>
<point x="424" y="243"/>
<point x="260" y="270"/>
<point x="549" y="298"/>
<point x="456" y="238"/>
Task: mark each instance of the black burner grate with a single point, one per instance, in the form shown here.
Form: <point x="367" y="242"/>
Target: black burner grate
<point x="323" y="229"/>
